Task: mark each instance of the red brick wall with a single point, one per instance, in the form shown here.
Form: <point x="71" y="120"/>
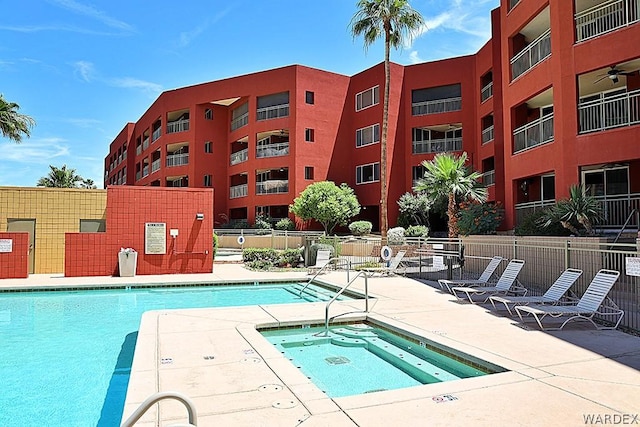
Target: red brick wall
<point x="128" y="209"/>
<point x="15" y="264"/>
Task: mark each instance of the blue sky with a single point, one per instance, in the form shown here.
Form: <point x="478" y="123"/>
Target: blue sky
<point x="84" y="68"/>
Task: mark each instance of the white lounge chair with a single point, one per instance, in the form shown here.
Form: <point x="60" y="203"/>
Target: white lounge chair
<point x="392" y="268"/>
<point x="508" y="277"/>
<point x="552" y="296"/>
<point x="322" y="259"/>
<point x="590" y="304"/>
<point x="480" y="281"/>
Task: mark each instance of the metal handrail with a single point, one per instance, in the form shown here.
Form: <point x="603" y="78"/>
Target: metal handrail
<point x="155" y="398"/>
<point x="328" y="264"/>
<point x="633" y="211"/>
<point x="340" y="292"/>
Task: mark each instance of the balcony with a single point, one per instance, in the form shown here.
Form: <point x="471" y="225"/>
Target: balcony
<point x="489" y="178"/>
<point x="145" y="170"/>
<point x="238" y="191"/>
<point x="535" y="52"/>
<point x="606" y="17"/>
<point x="616" y="209"/>
<point x="138" y="175"/>
<point x="437" y="106"/>
<point x="272" y="186"/>
<point x="156" y="134"/>
<point x="437" y="145"/>
<point x="177" y="159"/>
<point x="155" y="166"/>
<point x="610" y="112"/>
<point x="239" y="157"/>
<point x="532" y="134"/>
<point x="272" y="150"/>
<point x="240" y="121"/>
<point x="486" y="92"/>
<point x="487" y="134"/>
<point x="272" y="112"/>
<point x="178" y="126"/>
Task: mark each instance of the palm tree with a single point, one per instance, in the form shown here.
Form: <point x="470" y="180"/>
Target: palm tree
<point x="60" y="178"/>
<point x="396" y="20"/>
<point x="88" y="183"/>
<point x="448" y="176"/>
<point x="580" y="208"/>
<point x="14" y="125"/>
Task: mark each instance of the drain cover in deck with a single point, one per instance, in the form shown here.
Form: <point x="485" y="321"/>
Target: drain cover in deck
<point x="337" y="360"/>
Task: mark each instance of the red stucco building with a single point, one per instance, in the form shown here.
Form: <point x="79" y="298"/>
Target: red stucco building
<point x="553" y="99"/>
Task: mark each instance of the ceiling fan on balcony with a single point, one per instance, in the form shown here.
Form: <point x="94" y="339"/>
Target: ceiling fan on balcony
<point x="613" y="74"/>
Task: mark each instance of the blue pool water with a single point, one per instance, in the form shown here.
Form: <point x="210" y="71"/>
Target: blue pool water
<point x="65" y="357"/>
<point x="357" y="359"/>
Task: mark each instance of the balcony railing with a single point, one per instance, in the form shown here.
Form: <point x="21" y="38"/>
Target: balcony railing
<point x="437" y="145"/>
<point x="272" y="150"/>
<point x="523" y="210"/>
<point x="532" y="134"/>
<point x="155" y="135"/>
<point x="238" y="191"/>
<point x="487" y="134"/>
<point x="617" y="208"/>
<point x="513" y="3"/>
<point x="177" y="159"/>
<point x="273" y="112"/>
<point x="240" y="121"/>
<point x="612" y="112"/>
<point x="145" y="171"/>
<point x="437" y="106"/>
<point x="489" y="178"/>
<point x="178" y="126"/>
<point x="239" y="156"/>
<point x="155" y="165"/>
<point x="486" y="92"/>
<point x="138" y="175"/>
<point x="606" y="17"/>
<point x="534" y="53"/>
<point x="272" y="186"/>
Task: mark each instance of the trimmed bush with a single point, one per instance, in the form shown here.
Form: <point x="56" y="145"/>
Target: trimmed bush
<point x="395" y="236"/>
<point x="289" y="257"/>
<point x="259" y="265"/>
<point x="285" y="224"/>
<point x="360" y="228"/>
<point x="216" y="241"/>
<point x="417" y="231"/>
<point x="250" y="255"/>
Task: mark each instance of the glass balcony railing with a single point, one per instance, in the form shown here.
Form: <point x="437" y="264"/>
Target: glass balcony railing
<point x="177" y="159"/>
<point x="178" y="126"/>
<point x="145" y="171"/>
<point x="437" y="145"/>
<point x="156" y="134"/>
<point x="489" y="178"/>
<point x="486" y="92"/>
<point x="239" y="156"/>
<point x="609" y="112"/>
<point x="240" y="121"/>
<point x="272" y="150"/>
<point x="273" y="112"/>
<point x="272" y="186"/>
<point x="437" y="106"/>
<point x="513" y="3"/>
<point x="537" y="51"/>
<point x="606" y="17"/>
<point x="487" y="134"/>
<point x="238" y="191"/>
<point x="532" y="134"/>
<point x="155" y="165"/>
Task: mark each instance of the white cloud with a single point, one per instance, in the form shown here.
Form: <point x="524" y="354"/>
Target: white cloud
<point x="36" y="150"/>
<point x="133" y="83"/>
<point x="82" y="123"/>
<point x="414" y="58"/>
<point x="39" y="28"/>
<point x="87" y="72"/>
<point x="186" y="37"/>
<point x="94" y="13"/>
<point x="85" y="69"/>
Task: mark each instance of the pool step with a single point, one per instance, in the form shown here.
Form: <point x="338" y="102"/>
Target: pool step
<point x="357" y="332"/>
<point x="348" y="342"/>
<point x="312" y="293"/>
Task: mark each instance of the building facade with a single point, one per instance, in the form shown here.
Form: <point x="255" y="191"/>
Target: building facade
<point x="553" y="99"/>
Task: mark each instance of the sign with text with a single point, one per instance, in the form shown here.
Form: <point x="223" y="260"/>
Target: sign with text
<point x="6" y="245"/>
<point x="155" y="238"/>
<point x="633" y="266"/>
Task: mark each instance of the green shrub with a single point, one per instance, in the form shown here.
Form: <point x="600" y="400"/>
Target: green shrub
<point x="262" y="225"/>
<point x="479" y="218"/>
<point x="417" y="231"/>
<point x="289" y="257"/>
<point x="216" y="242"/>
<point x="259" y="265"/>
<point x="531" y="225"/>
<point x="360" y="228"/>
<point x="239" y="223"/>
<point x="260" y="254"/>
<point x="285" y="224"/>
<point x="395" y="236"/>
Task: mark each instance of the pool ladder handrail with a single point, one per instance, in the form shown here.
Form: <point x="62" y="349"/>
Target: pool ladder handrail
<point x="327" y="265"/>
<point x="155" y="398"/>
<point x="340" y="292"/>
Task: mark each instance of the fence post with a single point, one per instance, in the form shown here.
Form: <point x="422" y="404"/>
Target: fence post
<point x="567" y="259"/>
<point x="286" y="239"/>
<point x="515" y="248"/>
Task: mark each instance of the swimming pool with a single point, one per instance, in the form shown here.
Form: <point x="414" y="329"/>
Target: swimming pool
<point x="360" y="358"/>
<point x="66" y="355"/>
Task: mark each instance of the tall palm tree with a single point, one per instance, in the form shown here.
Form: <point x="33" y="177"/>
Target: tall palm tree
<point x="448" y="176"/>
<point x="14" y="125"/>
<point x="396" y="20"/>
<point x="60" y="178"/>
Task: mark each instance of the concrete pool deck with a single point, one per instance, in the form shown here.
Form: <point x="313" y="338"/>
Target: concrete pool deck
<point x="215" y="356"/>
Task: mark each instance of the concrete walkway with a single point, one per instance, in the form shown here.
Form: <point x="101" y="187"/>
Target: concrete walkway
<point x="578" y="376"/>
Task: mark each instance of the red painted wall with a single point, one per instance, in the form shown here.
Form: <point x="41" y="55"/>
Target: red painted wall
<point x="128" y="209"/>
<point x="15" y="264"/>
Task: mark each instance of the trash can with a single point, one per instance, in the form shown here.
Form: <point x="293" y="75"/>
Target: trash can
<point x="127" y="262"/>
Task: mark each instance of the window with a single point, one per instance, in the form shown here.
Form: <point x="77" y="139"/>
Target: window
<point x="607" y="182"/>
<point x="308" y="172"/>
<point x="309" y="97"/>
<point x="435" y="100"/>
<point x="367" y="98"/>
<point x="309" y="135"/>
<point x="368" y="135"/>
<point x="548" y="187"/>
<point x="208" y="114"/>
<point x="417" y="173"/>
<point x="208" y="147"/>
<point x="273" y="106"/>
<point x="207" y="180"/>
<point x="368" y="173"/>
